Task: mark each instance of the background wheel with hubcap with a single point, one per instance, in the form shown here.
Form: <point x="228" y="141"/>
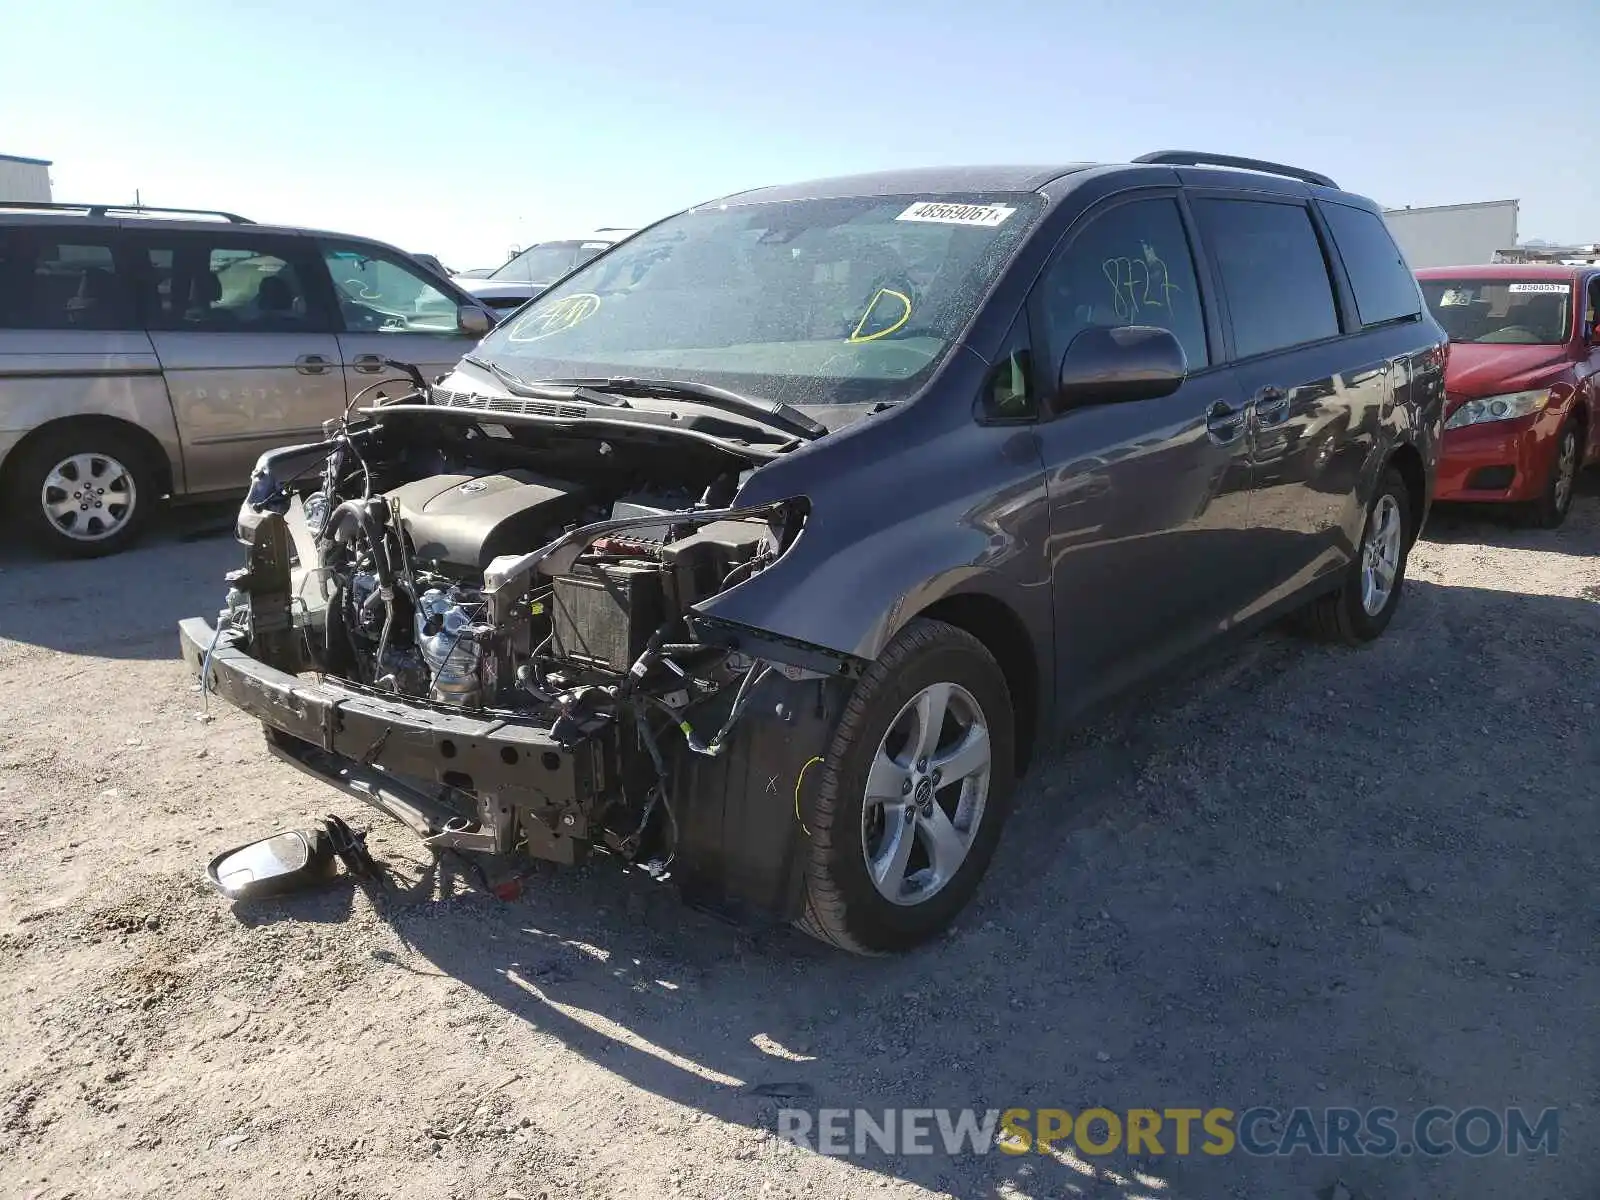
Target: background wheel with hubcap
<point x="914" y="790"/>
<point x="81" y="493"/>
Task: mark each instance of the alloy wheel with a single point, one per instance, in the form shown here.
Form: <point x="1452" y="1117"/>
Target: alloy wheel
<point x="88" y="497"/>
<point x="1380" y="555"/>
<point x="925" y="794"/>
<point x="1566" y="470"/>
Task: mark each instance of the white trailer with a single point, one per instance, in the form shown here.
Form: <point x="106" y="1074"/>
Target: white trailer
<point x="1449" y="235"/>
<point x="24" y="180"/>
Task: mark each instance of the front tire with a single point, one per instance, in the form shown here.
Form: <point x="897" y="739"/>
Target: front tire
<point x="83" y="492"/>
<point x="1365" y="601"/>
<point x="915" y="788"/>
<point x="1551" y="509"/>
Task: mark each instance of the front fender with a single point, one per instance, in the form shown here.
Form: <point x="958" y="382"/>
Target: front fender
<point x="951" y="513"/>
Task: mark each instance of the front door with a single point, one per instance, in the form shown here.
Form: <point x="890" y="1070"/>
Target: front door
<point x="1149" y="500"/>
<point x="248" y="351"/>
<point x="390" y="309"/>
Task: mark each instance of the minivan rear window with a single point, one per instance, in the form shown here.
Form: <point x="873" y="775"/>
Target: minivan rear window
<point x="52" y="283"/>
<point x="1385" y="288"/>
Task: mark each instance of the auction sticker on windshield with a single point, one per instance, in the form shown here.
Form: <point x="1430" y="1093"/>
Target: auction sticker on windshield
<point x="988" y="215"/>
<point x="1539" y="287"/>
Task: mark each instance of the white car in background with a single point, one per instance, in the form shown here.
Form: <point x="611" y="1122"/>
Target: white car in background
<point x="536" y="268"/>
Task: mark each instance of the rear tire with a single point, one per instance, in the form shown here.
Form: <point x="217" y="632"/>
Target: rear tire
<point x="82" y="491"/>
<point x="914" y="790"/>
<point x="1361" y="608"/>
<point x="1551" y="509"/>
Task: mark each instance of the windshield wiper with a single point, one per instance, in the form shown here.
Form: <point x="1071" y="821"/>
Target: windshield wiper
<point x="772" y="413"/>
<point x="545" y="389"/>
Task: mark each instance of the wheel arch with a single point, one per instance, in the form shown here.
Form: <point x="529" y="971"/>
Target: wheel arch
<point x="1407" y="460"/>
<point x="1005" y="635"/>
<point x="155" y="453"/>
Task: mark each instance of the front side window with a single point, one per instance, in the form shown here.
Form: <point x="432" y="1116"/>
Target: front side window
<point x="1273" y="273"/>
<point x="1131" y="266"/>
<point x="377" y="293"/>
<point x="194" y="284"/>
<point x="825" y="301"/>
<point x="1526" y="312"/>
<point x="1384" y="286"/>
<point x="47" y="282"/>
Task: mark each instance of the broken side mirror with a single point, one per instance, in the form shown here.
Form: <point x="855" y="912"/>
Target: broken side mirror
<point x="274" y="866"/>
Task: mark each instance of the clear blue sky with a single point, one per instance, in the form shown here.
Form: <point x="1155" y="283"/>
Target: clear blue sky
<point x="463" y="128"/>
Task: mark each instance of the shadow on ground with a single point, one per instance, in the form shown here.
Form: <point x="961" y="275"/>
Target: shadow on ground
<point x="1504" y="526"/>
<point x="1268" y="882"/>
<point x="127" y="605"/>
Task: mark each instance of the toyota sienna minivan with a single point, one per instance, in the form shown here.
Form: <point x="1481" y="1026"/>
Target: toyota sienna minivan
<point x="766" y="550"/>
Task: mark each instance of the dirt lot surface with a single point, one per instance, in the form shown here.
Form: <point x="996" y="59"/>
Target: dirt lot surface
<point x="1293" y="876"/>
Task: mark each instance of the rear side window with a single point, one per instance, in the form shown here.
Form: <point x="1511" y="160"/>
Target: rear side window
<point x="1385" y="288"/>
<point x="196" y="284"/>
<point x="1273" y="273"/>
<point x="48" y="282"/>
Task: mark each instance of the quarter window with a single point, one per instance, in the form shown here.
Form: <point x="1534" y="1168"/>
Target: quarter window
<point x="377" y="294"/>
<point x="1131" y="266"/>
<point x="46" y="283"/>
<point x="1385" y="288"/>
<point x="1273" y="273"/>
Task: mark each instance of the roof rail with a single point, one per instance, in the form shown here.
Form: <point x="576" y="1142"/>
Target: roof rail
<point x="1197" y="158"/>
<point x="101" y="210"/>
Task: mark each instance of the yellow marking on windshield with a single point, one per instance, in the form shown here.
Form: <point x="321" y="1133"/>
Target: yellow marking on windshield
<point x="558" y="318"/>
<point x="858" y="336"/>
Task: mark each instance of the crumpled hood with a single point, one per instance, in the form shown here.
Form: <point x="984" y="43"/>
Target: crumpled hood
<point x="1489" y="370"/>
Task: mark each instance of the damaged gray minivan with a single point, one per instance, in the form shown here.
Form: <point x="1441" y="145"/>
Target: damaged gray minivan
<point x="766" y="550"/>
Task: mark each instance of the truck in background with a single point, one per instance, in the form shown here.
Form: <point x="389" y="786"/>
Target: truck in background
<point x="1449" y="235"/>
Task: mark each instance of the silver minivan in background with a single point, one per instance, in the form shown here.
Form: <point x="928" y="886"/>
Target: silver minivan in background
<point x="147" y="353"/>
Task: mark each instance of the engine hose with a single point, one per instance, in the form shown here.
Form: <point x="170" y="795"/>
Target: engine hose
<point x="353" y="513"/>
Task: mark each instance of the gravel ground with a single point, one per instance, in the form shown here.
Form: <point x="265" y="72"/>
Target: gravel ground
<point x="1293" y="875"/>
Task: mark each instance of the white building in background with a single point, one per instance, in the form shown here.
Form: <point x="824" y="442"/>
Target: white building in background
<point x="1450" y="235"/>
<point x="24" y="179"/>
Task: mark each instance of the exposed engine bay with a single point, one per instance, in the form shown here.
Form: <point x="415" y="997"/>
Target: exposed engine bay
<point x="541" y="585"/>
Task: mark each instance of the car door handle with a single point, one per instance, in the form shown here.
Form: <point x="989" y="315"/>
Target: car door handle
<point x="311" y="364"/>
<point x="1271" y="405"/>
<point x="1224" y="423"/>
<point x="368" y="364"/>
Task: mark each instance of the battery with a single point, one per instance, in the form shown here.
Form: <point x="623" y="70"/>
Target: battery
<point x="602" y="614"/>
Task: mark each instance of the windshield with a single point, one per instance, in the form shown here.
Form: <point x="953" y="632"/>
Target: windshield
<point x="1525" y="312"/>
<point x="808" y="302"/>
<point x="547" y="261"/>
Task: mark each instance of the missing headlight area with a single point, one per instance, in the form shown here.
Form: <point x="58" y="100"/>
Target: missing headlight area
<point x="494" y="640"/>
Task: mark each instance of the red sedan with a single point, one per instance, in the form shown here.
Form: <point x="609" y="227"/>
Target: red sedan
<point x="1522" y="389"/>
